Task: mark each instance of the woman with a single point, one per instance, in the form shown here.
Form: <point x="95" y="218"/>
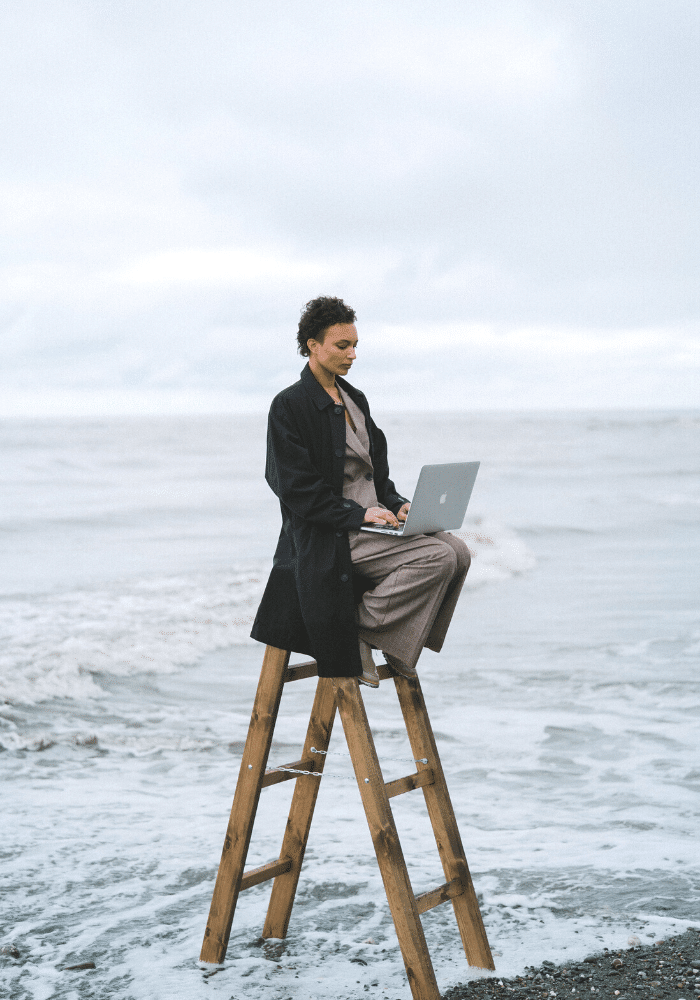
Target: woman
<point x="334" y="591"/>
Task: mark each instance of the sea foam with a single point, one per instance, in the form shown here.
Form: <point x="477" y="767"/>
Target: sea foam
<point x="58" y="643"/>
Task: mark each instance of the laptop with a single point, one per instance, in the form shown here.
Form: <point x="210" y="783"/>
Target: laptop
<point x="439" y="502"/>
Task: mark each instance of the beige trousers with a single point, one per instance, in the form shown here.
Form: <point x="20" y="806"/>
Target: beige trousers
<point x="418" y="579"/>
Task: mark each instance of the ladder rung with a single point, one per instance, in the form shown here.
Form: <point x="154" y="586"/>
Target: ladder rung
<point x="310" y="669"/>
<point x="271" y="870"/>
<point x="417" y="780"/>
<point x="301" y="670"/>
<point x="272" y="776"/>
<point x="433" y="897"/>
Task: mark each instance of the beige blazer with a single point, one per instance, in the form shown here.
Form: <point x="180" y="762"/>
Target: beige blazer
<point x="358" y="484"/>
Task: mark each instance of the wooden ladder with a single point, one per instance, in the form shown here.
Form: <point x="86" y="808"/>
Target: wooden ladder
<point x="344" y="694"/>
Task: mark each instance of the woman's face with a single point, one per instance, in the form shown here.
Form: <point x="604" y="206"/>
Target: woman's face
<point x="337" y="352"/>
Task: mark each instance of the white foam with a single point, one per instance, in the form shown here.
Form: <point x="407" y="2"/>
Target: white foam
<point x="497" y="552"/>
<point x="57" y="642"/>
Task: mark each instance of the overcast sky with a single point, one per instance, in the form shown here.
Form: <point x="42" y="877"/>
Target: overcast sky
<point x="507" y="193"/>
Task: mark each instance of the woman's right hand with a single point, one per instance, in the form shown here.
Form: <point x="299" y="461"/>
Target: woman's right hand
<point x="379" y="515"/>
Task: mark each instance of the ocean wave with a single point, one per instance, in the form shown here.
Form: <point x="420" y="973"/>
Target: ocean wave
<point x="133" y="745"/>
<point x="57" y="644"/>
<point x="644" y="419"/>
<point x="498" y="553"/>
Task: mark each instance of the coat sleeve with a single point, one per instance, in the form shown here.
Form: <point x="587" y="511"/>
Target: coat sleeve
<point x="386" y="491"/>
<point x="297" y="482"/>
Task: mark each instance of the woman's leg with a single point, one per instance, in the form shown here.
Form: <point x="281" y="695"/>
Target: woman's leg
<point x="412" y="578"/>
<point x="436" y="636"/>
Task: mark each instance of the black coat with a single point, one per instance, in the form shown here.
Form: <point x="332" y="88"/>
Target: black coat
<point x="309" y="602"/>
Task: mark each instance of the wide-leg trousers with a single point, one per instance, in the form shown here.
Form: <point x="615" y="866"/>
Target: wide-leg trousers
<point x="417" y="583"/>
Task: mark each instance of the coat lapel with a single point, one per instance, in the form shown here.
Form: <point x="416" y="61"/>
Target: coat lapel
<point x="358" y="442"/>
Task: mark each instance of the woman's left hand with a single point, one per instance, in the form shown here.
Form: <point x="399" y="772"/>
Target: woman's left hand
<point x="403" y="513"/>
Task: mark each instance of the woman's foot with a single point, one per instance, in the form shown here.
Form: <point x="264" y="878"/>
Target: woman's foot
<point x="369" y="675"/>
<point x="399" y="667"/>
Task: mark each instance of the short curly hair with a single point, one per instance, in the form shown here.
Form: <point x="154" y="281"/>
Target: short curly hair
<point x="317" y="315"/>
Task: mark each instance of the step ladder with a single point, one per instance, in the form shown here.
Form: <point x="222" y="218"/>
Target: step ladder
<point x="344" y="694"/>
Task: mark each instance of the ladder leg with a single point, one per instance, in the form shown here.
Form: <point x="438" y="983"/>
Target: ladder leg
<point x="245" y="804"/>
<point x="409" y="930"/>
<point x="442" y="817"/>
<point x="301" y="812"/>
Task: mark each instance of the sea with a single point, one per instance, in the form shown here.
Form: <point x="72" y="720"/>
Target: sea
<point x="565" y="703"/>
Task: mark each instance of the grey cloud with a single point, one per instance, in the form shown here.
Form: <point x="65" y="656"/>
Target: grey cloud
<point x="505" y="163"/>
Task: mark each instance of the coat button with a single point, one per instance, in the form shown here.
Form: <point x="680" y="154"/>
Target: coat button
<point x="368" y="475"/>
<point x="339" y="452"/>
<point x="339" y="534"/>
<point x="344" y="578"/>
<point x="338" y="409"/>
<point x="347" y="505"/>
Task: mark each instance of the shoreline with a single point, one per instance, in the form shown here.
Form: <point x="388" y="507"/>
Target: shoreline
<point x="666" y="968"/>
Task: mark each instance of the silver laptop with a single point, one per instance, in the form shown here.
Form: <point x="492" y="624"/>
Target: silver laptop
<point x="440" y="501"/>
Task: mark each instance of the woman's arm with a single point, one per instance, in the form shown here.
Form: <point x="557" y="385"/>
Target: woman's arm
<point x="297" y="482"/>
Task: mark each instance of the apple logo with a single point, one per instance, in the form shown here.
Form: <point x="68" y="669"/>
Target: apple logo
<point x="443" y="498"/>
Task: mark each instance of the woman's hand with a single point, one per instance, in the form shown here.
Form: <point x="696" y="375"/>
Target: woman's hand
<point x="403" y="513"/>
<point x="380" y="515"/>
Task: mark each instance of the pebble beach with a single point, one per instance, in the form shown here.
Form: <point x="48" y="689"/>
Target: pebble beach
<point x="664" y="969"/>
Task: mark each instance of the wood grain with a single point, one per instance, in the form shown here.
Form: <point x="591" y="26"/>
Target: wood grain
<point x="245" y="805"/>
<point x="301" y="812"/>
<point x="442" y="817"/>
<point x="402" y="903"/>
